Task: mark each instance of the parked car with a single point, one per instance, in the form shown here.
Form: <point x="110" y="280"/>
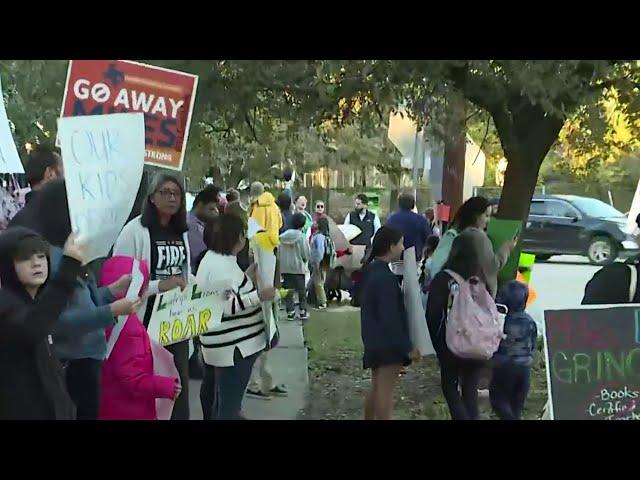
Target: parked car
<point x="572" y="225"/>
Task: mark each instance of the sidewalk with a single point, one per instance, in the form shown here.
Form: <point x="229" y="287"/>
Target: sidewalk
<point x="288" y="365"/>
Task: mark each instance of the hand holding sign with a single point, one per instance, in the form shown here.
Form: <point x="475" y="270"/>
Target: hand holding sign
<point x="121" y="285"/>
<point x="75" y="249"/>
<point x="125" y="306"/>
<point x="171" y="283"/>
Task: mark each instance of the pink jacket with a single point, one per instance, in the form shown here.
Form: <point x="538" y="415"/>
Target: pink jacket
<point x="129" y="387"/>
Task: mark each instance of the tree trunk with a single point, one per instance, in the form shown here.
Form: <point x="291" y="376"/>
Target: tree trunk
<point x="526" y="138"/>
<point x="454" y="157"/>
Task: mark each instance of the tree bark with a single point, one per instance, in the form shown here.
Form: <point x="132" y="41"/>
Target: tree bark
<point x="526" y="136"/>
<point x="454" y="157"/>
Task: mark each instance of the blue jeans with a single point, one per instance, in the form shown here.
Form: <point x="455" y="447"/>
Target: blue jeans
<point x="231" y="383"/>
<point x="508" y="391"/>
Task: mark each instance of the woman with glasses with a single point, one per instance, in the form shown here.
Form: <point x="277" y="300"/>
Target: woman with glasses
<point x="159" y="237"/>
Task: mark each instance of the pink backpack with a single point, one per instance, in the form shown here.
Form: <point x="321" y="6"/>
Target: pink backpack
<point x="473" y="328"/>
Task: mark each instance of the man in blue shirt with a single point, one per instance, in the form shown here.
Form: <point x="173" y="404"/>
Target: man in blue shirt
<point x="414" y="227"/>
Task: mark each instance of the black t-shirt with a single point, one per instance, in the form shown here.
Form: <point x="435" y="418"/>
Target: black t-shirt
<point x="168" y="258"/>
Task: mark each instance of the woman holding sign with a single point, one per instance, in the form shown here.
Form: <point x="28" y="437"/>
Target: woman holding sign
<point x="234" y="346"/>
<point x="159" y="236"/>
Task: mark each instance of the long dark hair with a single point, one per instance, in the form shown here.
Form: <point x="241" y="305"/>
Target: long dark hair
<point x="385" y="238"/>
<point x="323" y="225"/>
<point x="463" y="258"/>
<point x="469" y="212"/>
<point x="178" y="222"/>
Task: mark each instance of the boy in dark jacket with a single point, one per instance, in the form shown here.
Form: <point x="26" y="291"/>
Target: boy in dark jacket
<point x="32" y="385"/>
<point x="514" y="358"/>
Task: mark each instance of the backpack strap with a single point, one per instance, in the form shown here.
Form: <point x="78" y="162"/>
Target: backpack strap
<point x="633" y="282"/>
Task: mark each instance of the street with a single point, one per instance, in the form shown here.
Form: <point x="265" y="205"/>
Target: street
<point x="560" y="284"/>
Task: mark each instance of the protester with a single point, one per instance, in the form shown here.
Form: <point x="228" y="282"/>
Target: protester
<point x="455" y="373"/>
<point x="319" y="261"/>
<point x="320" y="212"/>
<point x="384" y="327"/>
<point x="159" y="237"/>
<point x="205" y="209"/>
<point x="294" y="256"/>
<point x="513" y="361"/>
<point x="286" y="210"/>
<point x="367" y="221"/>
<point x="415" y="228"/>
<point x="473" y="216"/>
<point x="78" y="335"/>
<point x="317" y="215"/>
<point x="301" y="207"/>
<point x="615" y="283"/>
<point x="264" y="210"/>
<point x="32" y="385"/>
<point x="42" y="166"/>
<point x="232" y="196"/>
<point x="129" y="386"/>
<point x="234" y="346"/>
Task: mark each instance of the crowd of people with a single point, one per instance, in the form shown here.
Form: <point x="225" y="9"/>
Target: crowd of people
<point x="65" y="355"/>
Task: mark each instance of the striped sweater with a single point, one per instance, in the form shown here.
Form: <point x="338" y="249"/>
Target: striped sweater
<point x="242" y="323"/>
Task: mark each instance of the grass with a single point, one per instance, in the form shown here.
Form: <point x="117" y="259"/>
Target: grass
<point x="338" y="383"/>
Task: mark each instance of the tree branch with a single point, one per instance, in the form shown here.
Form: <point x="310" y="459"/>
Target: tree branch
<point x="251" y="126"/>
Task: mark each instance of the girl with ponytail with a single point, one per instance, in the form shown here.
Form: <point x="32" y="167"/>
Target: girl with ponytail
<point x="384" y="328"/>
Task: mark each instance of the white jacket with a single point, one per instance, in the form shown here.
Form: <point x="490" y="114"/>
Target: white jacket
<point x="242" y="323"/>
<point x="135" y="241"/>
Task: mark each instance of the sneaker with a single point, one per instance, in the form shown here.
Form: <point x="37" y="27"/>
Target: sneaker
<point x="291" y="315"/>
<point x="322" y="307"/>
<point x="304" y="315"/>
<point x="279" y="391"/>
<point x="258" y="394"/>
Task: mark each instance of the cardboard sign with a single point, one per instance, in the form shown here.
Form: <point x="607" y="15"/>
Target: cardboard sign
<point x="500" y="231"/>
<point x="181" y="315"/>
<point x="9" y="158"/>
<point x="166" y="97"/>
<point x="103" y="158"/>
<point x="593" y="363"/>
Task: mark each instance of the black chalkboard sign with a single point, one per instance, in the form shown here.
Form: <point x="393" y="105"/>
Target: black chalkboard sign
<point x="593" y="363"/>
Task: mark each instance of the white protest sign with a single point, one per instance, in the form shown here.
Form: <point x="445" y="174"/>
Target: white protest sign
<point x="9" y="158"/>
<point x="180" y="315"/>
<point x="103" y="158"/>
<point x="418" y="330"/>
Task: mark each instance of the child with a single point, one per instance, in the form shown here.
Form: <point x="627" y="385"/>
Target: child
<point x="320" y="260"/>
<point x="32" y="385"/>
<point x="384" y="328"/>
<point x="514" y="359"/>
<point x="129" y="386"/>
<point x="293" y="256"/>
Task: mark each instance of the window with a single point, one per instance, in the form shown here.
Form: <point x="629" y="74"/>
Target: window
<point x="539" y="208"/>
<point x="561" y="209"/>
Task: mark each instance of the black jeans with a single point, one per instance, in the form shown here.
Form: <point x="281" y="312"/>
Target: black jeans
<point x="208" y="392"/>
<point x="509" y="390"/>
<point x="84" y="377"/>
<point x="180" y="353"/>
<point x="295" y="282"/>
<point x="459" y="379"/>
<point x="231" y="383"/>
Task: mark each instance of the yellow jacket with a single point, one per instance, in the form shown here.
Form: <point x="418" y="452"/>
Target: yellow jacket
<point x="267" y="214"/>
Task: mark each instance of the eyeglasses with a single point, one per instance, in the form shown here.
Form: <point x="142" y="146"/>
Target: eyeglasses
<point x="319" y="206"/>
<point x="166" y="194"/>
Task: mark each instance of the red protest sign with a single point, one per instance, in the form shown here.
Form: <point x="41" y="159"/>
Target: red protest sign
<point x="166" y="97"/>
